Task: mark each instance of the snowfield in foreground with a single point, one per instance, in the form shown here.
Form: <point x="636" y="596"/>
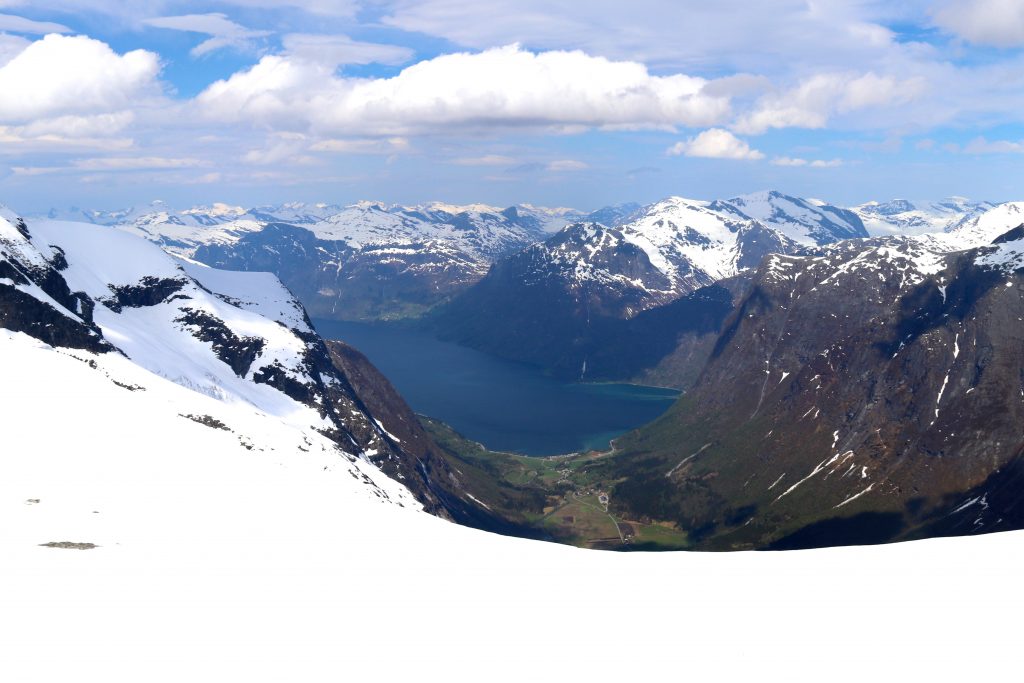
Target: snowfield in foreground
<point x="256" y="551"/>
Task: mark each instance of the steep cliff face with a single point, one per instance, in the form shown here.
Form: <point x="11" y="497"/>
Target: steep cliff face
<point x="417" y="460"/>
<point x="34" y="296"/>
<point x="869" y="393"/>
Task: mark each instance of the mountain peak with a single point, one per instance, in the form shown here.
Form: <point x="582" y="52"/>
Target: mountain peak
<point x="456" y="209"/>
<point x="216" y="209"/>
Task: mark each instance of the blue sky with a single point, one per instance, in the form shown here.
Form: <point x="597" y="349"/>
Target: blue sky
<point x="108" y="104"/>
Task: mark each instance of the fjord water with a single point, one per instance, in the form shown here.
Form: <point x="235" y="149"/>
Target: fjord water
<point x="505" y="406"/>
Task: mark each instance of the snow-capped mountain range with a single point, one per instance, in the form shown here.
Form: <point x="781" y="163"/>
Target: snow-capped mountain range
<point x="673" y="247"/>
<point x="979" y="229"/>
<point x="481" y="230"/>
<point x="904" y="217"/>
<point x="366" y="260"/>
<point x="687" y="244"/>
<point x="372" y="260"/>
<point x="557" y="303"/>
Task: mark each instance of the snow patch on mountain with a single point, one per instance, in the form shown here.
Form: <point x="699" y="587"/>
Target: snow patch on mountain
<point x="261" y="293"/>
<point x="183" y="235"/>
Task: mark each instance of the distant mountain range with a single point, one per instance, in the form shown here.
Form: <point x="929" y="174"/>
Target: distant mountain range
<point x="367" y="261"/>
<point x="552" y="287"/>
<point x="903" y="217"/>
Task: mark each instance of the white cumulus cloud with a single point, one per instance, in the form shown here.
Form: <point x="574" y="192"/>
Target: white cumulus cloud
<point x="504" y="87"/>
<point x="714" y="143"/>
<point x="11" y="47"/>
<point x="74" y="75"/>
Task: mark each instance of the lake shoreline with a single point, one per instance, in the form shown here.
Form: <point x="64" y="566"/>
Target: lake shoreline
<point x="503" y="405"/>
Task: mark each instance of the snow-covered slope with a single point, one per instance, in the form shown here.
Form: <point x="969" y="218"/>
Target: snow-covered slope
<point x="984" y="228"/>
<point x="688" y="241"/>
<point x="694" y="243"/>
<point x="803" y="221"/>
<point x="480" y="231"/>
<point x="165" y="320"/>
<point x="904" y="217"/>
<point x="216" y="562"/>
<point x="182" y="234"/>
<point x="240" y="338"/>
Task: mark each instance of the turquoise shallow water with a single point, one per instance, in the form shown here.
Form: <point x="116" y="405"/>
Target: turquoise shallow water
<point x="504" y="405"/>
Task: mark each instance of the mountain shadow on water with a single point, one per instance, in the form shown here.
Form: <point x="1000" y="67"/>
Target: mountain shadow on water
<point x="553" y="332"/>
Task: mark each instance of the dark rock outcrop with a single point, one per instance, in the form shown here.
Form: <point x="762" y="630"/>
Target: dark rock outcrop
<point x="35" y="297"/>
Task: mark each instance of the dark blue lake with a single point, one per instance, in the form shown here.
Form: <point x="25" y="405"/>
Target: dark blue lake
<point x="504" y="405"/>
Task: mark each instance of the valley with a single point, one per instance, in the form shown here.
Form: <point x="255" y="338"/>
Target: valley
<point x="563" y="498"/>
<point x="515" y="401"/>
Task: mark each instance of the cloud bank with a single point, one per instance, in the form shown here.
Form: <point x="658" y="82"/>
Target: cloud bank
<point x="506" y="87"/>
